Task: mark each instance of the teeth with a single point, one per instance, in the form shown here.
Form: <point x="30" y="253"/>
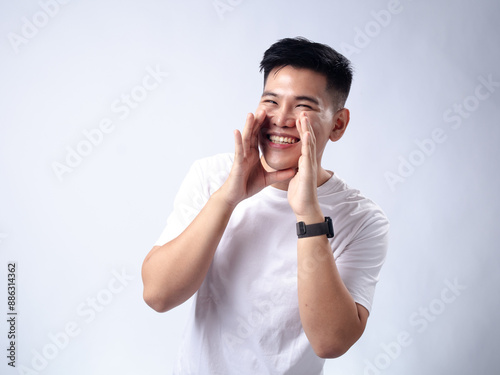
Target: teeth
<point x="282" y="140"/>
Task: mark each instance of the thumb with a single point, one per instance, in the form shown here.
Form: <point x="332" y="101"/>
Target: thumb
<point x="280" y="176"/>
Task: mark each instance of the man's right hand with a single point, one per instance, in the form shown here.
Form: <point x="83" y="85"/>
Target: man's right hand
<point x="248" y="176"/>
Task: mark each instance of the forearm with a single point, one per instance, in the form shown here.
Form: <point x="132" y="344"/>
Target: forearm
<point x="173" y="272"/>
<point x="328" y="312"/>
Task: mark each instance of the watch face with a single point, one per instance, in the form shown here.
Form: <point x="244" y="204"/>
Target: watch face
<point x="301" y="228"/>
<point x="330" y="233"/>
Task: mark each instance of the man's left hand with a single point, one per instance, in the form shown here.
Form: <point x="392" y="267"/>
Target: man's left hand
<point x="302" y="194"/>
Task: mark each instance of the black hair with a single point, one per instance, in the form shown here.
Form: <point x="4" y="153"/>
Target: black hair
<point x="302" y="53"/>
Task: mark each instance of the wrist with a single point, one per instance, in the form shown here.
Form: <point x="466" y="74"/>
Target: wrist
<point x="224" y="200"/>
<point x="312" y="217"/>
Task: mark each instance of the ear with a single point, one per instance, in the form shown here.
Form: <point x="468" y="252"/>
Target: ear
<point x="340" y="119"/>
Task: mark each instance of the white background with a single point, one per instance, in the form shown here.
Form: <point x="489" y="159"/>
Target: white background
<point x="71" y="235"/>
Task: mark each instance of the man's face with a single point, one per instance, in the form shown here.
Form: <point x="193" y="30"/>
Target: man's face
<point x="288" y="92"/>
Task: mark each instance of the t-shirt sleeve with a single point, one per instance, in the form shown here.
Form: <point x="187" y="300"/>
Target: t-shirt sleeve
<point x="189" y="201"/>
<point x="360" y="263"/>
<point x="203" y="178"/>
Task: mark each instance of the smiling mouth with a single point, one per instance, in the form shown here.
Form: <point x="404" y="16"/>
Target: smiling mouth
<point x="282" y="140"/>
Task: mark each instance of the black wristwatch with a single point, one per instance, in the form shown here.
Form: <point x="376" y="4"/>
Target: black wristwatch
<point x="312" y="230"/>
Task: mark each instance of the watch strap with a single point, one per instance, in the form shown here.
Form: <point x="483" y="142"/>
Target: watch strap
<point x="312" y="230"/>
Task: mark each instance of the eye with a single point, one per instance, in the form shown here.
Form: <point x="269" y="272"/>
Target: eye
<point x="270" y="101"/>
<point x="304" y="105"/>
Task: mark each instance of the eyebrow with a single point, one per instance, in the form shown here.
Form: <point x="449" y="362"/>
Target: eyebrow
<point x="298" y="98"/>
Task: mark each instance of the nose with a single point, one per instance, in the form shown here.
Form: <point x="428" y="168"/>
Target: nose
<point x="284" y="118"/>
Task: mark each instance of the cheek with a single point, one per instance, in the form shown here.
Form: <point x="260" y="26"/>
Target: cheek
<point x="322" y="137"/>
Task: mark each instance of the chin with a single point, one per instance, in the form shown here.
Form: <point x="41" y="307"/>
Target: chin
<point x="280" y="163"/>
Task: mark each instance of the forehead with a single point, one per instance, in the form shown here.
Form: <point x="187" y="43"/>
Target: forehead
<point x="298" y="81"/>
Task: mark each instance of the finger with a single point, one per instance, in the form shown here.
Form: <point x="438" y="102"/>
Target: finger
<point x="247" y="133"/>
<point x="307" y="160"/>
<point x="306" y="140"/>
<point x="238" y="147"/>
<point x="260" y="116"/>
<point x="305" y="135"/>
<point x="312" y="137"/>
<point x="298" y="125"/>
<point x="309" y="127"/>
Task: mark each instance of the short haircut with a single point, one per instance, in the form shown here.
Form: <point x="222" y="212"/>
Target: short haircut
<point x="302" y="53"/>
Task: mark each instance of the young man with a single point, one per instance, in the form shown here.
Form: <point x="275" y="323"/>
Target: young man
<point x="252" y="233"/>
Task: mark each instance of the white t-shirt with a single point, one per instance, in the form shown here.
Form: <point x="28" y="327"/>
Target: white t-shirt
<point x="245" y="316"/>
